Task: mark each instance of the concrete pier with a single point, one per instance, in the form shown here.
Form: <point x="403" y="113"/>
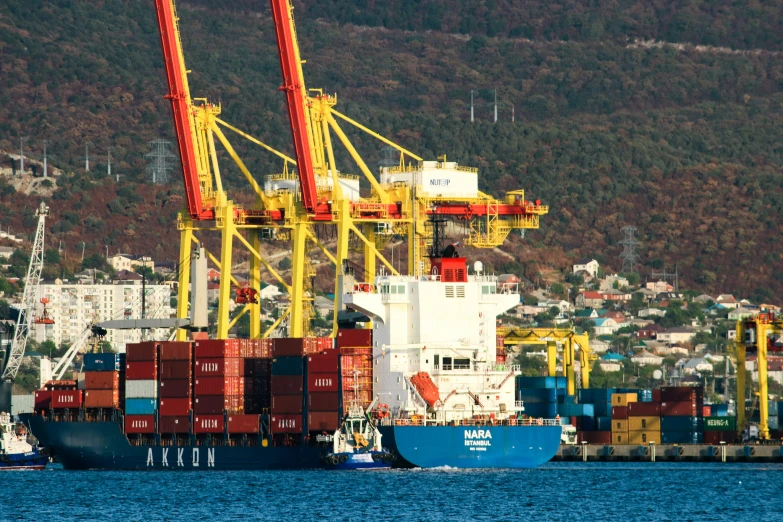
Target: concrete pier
<point x="670" y="453"/>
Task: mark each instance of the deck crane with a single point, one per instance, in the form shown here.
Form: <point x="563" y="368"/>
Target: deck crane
<point x="26" y="312"/>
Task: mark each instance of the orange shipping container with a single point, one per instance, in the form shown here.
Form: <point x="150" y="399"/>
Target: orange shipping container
<point x="102" y="380"/>
<point x="644" y="437"/>
<point x="102" y="399"/>
<point x="620" y="426"/>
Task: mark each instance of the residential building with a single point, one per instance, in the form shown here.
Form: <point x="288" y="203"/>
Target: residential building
<point x="608" y="282"/>
<point x="599" y="346"/>
<point x="564" y="306"/>
<point x="645" y="358"/>
<point x="651" y="312"/>
<point x="742" y="313"/>
<point x="695" y="365"/>
<point x="615" y="295"/>
<point x="590" y="266"/>
<point x="676" y="335"/>
<point x="704" y="299"/>
<point x="659" y="286"/>
<point x="649" y="332"/>
<point x="269" y="291"/>
<point x="323" y="305"/>
<point x="589" y="300"/>
<point x="618" y="317"/>
<point x="508" y="282"/>
<point x="610" y="366"/>
<point x="6" y="252"/>
<point x="588" y="313"/>
<point x="605" y="326"/>
<point x="213" y="275"/>
<point x="127" y="262"/>
<point x="74" y="307"/>
<point x="727" y="301"/>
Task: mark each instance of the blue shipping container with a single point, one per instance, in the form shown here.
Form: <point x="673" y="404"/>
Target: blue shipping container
<point x="677" y="423"/>
<point x="140" y="406"/>
<point x="603" y="424"/>
<point x="575" y="410"/>
<point x="774" y="424"/>
<point x="104" y="362"/>
<point x="596" y="395"/>
<point x="288" y="366"/>
<point x="566" y="399"/>
<point x="535" y="395"/>
<point x="645" y="396"/>
<point x="774" y="411"/>
<point x="541" y="382"/>
<point x="602" y="409"/>
<point x="586" y="423"/>
<point x="682" y="437"/>
<point x="719" y="410"/>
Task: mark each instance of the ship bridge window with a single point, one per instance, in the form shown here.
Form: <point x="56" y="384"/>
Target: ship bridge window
<point x="461" y="364"/>
<point x="488" y="289"/>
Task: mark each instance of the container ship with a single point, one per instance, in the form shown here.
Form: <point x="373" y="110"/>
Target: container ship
<point x="428" y="372"/>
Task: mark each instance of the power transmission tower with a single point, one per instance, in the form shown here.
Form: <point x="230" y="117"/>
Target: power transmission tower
<point x="471" y="107"/>
<point x="629" y="255"/>
<point x="387" y="157"/>
<point x="496" y="106"/>
<point x="160" y="161"/>
<point x="45" y="143"/>
<point x="108" y="161"/>
<point x="87" y="155"/>
<point x="21" y="153"/>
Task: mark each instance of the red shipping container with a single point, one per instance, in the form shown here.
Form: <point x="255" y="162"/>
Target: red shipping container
<point x="716" y="437"/>
<point x="705" y="411"/>
<point x="176" y="370"/>
<point x="174" y="425"/>
<point x="656" y="395"/>
<point x="325" y="343"/>
<point x="293" y="346"/>
<point x="287" y="384"/>
<point x="619" y="412"/>
<point x="322" y="421"/>
<point x="142" y="352"/>
<point x="220" y="367"/>
<point x="262" y="348"/>
<point x="141" y="371"/>
<point x="356" y="337"/>
<point x="326" y="362"/>
<point x="686" y="409"/>
<point x="216" y="348"/>
<point x="219" y="385"/>
<point x="175" y="407"/>
<point x="644" y="409"/>
<point x="286" y="424"/>
<point x="175" y="388"/>
<point x="243" y="424"/>
<point x="208" y="424"/>
<point x="60" y="385"/>
<point x="324" y="401"/>
<point x="214" y="404"/>
<point x="43" y="399"/>
<point x="258" y="367"/>
<point x="139" y="424"/>
<point x="594" y="437"/>
<point x="102" y="399"/>
<point x="66" y="398"/>
<point x="286" y="404"/>
<point x="102" y="380"/>
<point x="682" y="394"/>
<point x="176" y="351"/>
<point x="323" y="382"/>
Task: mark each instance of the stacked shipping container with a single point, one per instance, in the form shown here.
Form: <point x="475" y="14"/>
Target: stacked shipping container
<point x="682" y="415"/>
<point x="287" y="388"/>
<point x="141" y="387"/>
<point x="176" y="388"/>
<point x="323" y="391"/>
<point x="355" y="347"/>
<point x="101" y="380"/>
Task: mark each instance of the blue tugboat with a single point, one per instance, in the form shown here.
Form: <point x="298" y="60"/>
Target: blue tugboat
<point x="15" y="451"/>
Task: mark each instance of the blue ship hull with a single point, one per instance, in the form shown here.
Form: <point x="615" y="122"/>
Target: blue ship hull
<point x="102" y="445"/>
<point x="358" y="461"/>
<point x="472" y="447"/>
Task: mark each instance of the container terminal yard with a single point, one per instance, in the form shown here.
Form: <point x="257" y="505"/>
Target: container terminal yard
<point x="420" y="353"/>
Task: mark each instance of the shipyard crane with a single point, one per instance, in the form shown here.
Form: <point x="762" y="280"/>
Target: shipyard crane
<point x="315" y="193"/>
<point x="756" y="334"/>
<point x="27" y="311"/>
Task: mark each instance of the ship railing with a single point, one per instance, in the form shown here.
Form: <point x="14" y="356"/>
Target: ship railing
<point x="511" y="421"/>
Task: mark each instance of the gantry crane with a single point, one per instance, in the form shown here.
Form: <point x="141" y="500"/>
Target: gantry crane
<point x="314" y="194"/>
<point x="571" y="341"/>
<point x="753" y="335"/>
<point x="26" y="312"/>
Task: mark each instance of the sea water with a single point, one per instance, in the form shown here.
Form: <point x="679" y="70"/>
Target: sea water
<point x="555" y="491"/>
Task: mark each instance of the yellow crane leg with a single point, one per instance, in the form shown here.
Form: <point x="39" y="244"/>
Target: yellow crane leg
<point x="227" y="229"/>
<point x="183" y="290"/>
<point x="369" y="255"/>
<point x="340" y="255"/>
<point x="584" y="357"/>
<point x="761" y="343"/>
<point x="255" y="282"/>
<point x="568" y="366"/>
<point x="299" y="247"/>
<point x="741" y="350"/>
<point x="551" y="358"/>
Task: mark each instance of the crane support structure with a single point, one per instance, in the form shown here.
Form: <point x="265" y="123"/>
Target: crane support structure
<point x="756" y="336"/>
<point x="551" y="337"/>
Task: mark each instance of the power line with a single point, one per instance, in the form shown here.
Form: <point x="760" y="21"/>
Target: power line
<point x="161" y="161"/>
<point x="629" y="255"/>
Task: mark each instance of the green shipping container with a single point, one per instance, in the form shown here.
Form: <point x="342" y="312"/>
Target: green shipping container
<point x="720" y="424"/>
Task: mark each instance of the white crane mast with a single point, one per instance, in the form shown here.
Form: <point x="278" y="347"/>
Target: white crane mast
<point x="26" y="313"/>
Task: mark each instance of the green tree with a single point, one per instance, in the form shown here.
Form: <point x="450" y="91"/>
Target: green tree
<point x="284" y="264"/>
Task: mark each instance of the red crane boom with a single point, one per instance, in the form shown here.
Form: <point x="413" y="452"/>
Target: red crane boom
<point x="295" y="99"/>
<point x="180" y="105"/>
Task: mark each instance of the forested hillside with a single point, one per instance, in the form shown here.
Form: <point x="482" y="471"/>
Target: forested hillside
<point x="611" y="130"/>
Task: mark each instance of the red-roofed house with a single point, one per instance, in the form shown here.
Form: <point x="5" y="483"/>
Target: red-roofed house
<point x="589" y="300"/>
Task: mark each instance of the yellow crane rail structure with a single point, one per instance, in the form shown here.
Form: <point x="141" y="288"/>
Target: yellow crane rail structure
<point x="571" y="341"/>
<point x="753" y="335"/>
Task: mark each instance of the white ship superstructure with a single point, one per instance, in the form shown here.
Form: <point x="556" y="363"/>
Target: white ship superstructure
<point x="443" y="324"/>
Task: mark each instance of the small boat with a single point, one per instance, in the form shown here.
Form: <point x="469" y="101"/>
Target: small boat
<point x="16" y="452"/>
<point x="357" y="444"/>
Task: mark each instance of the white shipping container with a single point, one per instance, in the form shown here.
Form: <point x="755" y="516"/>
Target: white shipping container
<point x="80" y="381"/>
<point x="141" y="389"/>
<point x="22" y="404"/>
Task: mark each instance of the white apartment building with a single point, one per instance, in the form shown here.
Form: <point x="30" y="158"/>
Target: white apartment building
<point x="75" y="307"/>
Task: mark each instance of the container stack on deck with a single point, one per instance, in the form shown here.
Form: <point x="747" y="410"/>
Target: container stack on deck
<point x="101" y="380"/>
<point x="682" y="415"/>
<point x="540" y="395"/>
<point x="141" y="387"/>
<point x="176" y="388"/>
<point x="288" y="372"/>
<point x="218" y="384"/>
<point x="355" y="347"/>
<point x="323" y="389"/>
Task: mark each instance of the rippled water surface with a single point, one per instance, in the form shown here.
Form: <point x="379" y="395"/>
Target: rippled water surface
<point x="556" y="491"/>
